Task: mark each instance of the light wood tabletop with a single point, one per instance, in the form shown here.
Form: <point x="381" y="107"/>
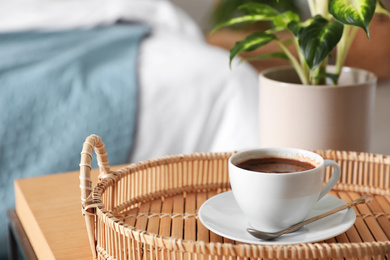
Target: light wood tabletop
<point x="49" y="210"/>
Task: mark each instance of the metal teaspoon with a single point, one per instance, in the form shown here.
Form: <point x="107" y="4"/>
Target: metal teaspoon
<point x="367" y="198"/>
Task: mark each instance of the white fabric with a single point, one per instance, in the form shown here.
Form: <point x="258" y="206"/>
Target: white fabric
<point x="190" y="101"/>
<point x="63" y="14"/>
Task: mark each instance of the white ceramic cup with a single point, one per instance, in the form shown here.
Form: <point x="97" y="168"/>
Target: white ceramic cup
<point x="274" y="201"/>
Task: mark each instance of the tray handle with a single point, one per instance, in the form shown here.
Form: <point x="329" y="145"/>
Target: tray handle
<point x="92" y="142"/>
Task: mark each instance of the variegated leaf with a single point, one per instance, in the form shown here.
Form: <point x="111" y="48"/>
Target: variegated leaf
<point x="243" y="19"/>
<point x="381" y="9"/>
<point x="259" y="8"/>
<point x="250" y="43"/>
<point x="353" y="12"/>
<point x="285" y="18"/>
<point x="318" y="39"/>
<point x="279" y="55"/>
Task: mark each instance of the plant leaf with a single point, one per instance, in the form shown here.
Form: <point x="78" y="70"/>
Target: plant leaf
<point x="279" y="55"/>
<point x="294" y="27"/>
<point x="381" y="9"/>
<point x="332" y="76"/>
<point x="318" y="39"/>
<point x="259" y="8"/>
<point x="285" y="18"/>
<point x="250" y="43"/>
<point x="357" y="12"/>
<point x="243" y="19"/>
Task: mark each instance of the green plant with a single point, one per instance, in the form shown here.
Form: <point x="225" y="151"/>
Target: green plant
<point x="333" y="25"/>
<point x="227" y="9"/>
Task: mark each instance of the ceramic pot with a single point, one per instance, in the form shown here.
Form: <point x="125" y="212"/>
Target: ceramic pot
<point x="317" y="117"/>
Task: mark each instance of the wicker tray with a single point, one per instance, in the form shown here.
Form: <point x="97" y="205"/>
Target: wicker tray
<point x="148" y="210"/>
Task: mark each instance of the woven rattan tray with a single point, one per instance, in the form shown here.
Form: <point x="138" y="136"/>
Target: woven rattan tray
<point x="148" y="210"/>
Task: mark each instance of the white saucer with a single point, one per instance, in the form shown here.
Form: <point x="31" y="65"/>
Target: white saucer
<point x="222" y="215"/>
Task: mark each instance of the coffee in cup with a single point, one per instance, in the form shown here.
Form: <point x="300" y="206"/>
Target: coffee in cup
<point x="275" y="165"/>
<point x="278" y="187"/>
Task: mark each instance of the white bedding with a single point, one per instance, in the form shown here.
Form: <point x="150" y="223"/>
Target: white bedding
<point x="190" y="101"/>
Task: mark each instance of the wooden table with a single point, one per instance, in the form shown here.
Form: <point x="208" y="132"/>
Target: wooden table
<point x="49" y="210"/>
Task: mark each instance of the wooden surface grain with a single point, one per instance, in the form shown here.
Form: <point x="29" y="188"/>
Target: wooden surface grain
<point x="49" y="209"/>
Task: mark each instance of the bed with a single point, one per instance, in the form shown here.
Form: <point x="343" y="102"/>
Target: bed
<point x="170" y="93"/>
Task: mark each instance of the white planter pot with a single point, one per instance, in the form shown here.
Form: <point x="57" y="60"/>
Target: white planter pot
<point x="317" y="117"/>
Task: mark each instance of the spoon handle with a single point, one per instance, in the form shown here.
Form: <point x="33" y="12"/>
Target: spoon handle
<point x="367" y="198"/>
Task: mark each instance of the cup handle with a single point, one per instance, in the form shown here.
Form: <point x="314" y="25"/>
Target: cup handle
<point x="333" y="180"/>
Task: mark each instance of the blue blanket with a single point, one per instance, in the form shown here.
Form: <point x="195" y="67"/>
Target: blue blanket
<point x="56" y="88"/>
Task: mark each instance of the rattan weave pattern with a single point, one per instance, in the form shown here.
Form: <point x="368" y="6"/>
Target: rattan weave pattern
<point x="148" y="210"/>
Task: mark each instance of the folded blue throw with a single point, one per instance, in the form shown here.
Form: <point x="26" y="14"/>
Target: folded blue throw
<point x="57" y="88"/>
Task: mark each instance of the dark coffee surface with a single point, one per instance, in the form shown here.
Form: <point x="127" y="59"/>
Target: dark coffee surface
<point x="275" y="165"/>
